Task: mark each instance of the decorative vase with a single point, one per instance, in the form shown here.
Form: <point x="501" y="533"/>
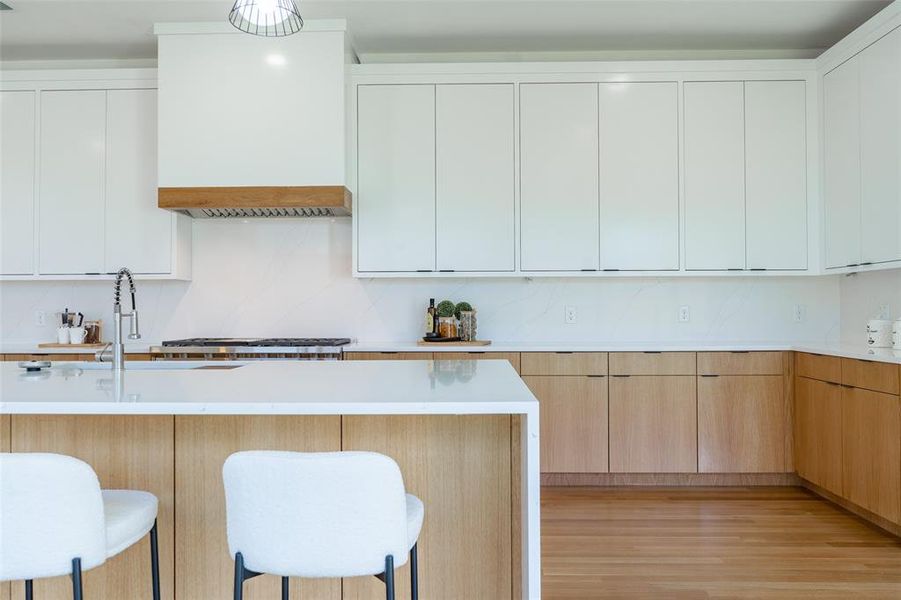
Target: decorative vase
<point x="468" y="325"/>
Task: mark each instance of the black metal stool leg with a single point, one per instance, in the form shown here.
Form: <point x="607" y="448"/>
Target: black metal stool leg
<point x="29" y="589"/>
<point x="284" y="588"/>
<point x="239" y="576"/>
<point x="155" y="562"/>
<point x="389" y="577"/>
<point x="77" y="593"/>
<point x="414" y="574"/>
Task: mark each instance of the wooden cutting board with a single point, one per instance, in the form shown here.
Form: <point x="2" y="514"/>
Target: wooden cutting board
<point x="75" y="346"/>
<point x="452" y="344"/>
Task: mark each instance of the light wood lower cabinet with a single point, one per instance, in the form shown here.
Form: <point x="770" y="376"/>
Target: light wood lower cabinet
<point x="460" y="467"/>
<point x="205" y="569"/>
<point x="387" y="356"/>
<point x="653" y="424"/>
<point x="127" y="452"/>
<point x="511" y="357"/>
<point x="818" y="433"/>
<point x="573" y="417"/>
<point x="741" y="424"/>
<point x="871" y="439"/>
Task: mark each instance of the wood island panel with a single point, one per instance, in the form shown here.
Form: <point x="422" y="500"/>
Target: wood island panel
<point x="205" y="569"/>
<point x="127" y="452"/>
<point x="460" y="467"/>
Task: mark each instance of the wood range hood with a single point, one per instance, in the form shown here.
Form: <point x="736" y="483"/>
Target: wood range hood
<point x="265" y="202"/>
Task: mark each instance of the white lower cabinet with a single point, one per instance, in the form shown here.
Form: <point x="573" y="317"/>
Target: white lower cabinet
<point x="558" y="127"/>
<point x="639" y="176"/>
<point x="474" y="141"/>
<point x="395" y="203"/>
<point x="17" y="144"/>
<point x="73" y="133"/>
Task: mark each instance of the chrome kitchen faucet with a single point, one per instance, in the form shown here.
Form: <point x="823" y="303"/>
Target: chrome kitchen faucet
<point x="118" y="350"/>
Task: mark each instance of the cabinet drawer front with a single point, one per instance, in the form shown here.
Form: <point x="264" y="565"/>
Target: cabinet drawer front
<point x="387" y="356"/>
<point x="817" y="366"/>
<point x="653" y="363"/>
<point x="564" y="363"/>
<point x="511" y="357"/>
<point x="879" y="377"/>
<point x="739" y="363"/>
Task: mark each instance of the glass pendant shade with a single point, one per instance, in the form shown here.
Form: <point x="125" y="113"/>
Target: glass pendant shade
<point x="269" y="18"/>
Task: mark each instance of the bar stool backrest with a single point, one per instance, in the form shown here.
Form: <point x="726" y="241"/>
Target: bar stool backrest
<point x="51" y="511"/>
<point x="328" y="514"/>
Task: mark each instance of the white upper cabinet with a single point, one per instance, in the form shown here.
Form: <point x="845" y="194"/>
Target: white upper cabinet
<point x="880" y="150"/>
<point x="776" y="174"/>
<point x="841" y="163"/>
<point x="137" y="231"/>
<point x="73" y="132"/>
<point x="17" y="116"/>
<point x="714" y="166"/>
<point x="475" y="133"/>
<point x="244" y="110"/>
<point x="559" y="177"/>
<point x="395" y="201"/>
<point x="639" y="176"/>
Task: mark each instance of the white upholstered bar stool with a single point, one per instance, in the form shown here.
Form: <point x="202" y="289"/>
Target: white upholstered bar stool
<point x="320" y="514"/>
<point x="55" y="520"/>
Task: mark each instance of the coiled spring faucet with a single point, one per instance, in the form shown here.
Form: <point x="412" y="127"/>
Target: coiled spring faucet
<point x="118" y="354"/>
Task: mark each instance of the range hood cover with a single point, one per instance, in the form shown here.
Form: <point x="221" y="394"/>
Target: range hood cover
<point x="266" y="202"/>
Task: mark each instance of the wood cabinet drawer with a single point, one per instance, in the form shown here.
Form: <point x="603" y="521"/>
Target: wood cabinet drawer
<point x="387" y="356"/>
<point x="564" y="363"/>
<point x="511" y="357"/>
<point x="869" y="375"/>
<point x="818" y="366"/>
<point x="740" y="363"/>
<point x="653" y="363"/>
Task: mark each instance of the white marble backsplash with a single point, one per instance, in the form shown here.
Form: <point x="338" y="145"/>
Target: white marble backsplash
<point x="293" y="278"/>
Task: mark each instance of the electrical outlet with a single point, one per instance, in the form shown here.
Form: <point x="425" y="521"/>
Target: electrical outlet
<point x="569" y="315"/>
<point x="885" y="312"/>
<point x="684" y="314"/>
<point x="40" y="318"/>
<point x="800" y="313"/>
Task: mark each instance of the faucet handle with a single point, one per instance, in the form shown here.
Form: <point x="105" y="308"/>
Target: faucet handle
<point x="133" y="333"/>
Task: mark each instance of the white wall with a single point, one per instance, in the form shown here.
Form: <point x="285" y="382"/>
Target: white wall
<point x="862" y="297"/>
<point x="292" y="278"/>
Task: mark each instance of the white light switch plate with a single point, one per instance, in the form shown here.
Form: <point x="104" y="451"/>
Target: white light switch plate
<point x="569" y="315"/>
<point x="684" y="314"/>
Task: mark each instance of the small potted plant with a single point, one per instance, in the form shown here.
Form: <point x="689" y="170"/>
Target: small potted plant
<point x="466" y="316"/>
<point x="447" y="324"/>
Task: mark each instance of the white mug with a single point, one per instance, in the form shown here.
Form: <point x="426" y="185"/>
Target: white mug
<point x="879" y="333"/>
<point x="76" y="335"/>
<point x="62" y="335"/>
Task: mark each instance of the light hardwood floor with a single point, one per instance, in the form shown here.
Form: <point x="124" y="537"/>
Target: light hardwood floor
<point x="762" y="543"/>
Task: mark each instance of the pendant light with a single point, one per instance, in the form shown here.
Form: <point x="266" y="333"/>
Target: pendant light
<point x="269" y="18"/>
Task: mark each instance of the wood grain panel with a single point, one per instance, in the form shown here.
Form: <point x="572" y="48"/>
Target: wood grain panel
<point x="387" y="356"/>
<point x="573" y="423"/>
<point x="205" y="569"/>
<point x="653" y="424"/>
<point x="653" y="363"/>
<point x="309" y="196"/>
<point x="460" y="467"/>
<point x="818" y="366"/>
<point x="564" y="363"/>
<point x="818" y="432"/>
<point x="511" y="357"/>
<point x="870" y="375"/>
<point x="127" y="452"/>
<point x="871" y="450"/>
<point x="741" y="424"/>
<point x="669" y="479"/>
<point x="740" y="363"/>
<point x="788" y="391"/>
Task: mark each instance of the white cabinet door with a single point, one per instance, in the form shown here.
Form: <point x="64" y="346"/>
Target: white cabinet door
<point x="474" y="170"/>
<point x="138" y="233"/>
<point x="395" y="201"/>
<point x="17" y="183"/>
<point x="559" y="176"/>
<point x="73" y="130"/>
<point x="841" y="161"/>
<point x="880" y="150"/>
<point x="639" y="176"/>
<point x="714" y="166"/>
<point x="776" y="174"/>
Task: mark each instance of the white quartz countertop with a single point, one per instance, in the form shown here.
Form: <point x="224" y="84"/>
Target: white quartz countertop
<point x="136" y="347"/>
<point x="857" y="351"/>
<point x="269" y="387"/>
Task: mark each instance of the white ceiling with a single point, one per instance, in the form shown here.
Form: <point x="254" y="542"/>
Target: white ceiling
<point x="444" y="29"/>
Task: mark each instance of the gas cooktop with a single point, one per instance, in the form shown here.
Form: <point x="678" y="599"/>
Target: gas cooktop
<point x="261" y="347"/>
<point x="257" y="342"/>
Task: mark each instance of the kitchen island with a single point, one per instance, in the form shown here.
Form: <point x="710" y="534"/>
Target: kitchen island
<point x="464" y="433"/>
